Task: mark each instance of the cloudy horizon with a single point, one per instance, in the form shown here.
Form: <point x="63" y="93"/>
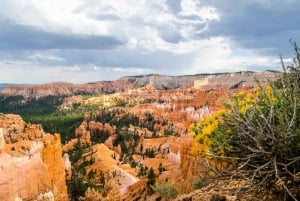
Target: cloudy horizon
<point x="82" y="41"/>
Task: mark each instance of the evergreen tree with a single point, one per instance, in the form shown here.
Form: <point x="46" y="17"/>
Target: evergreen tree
<point x="160" y="168"/>
<point x="151" y="177"/>
<point x="102" y="179"/>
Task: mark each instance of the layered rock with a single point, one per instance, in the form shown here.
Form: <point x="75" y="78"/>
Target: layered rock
<point x="55" y="164"/>
<point x="2" y="140"/>
<point x="228" y="80"/>
<point x="32" y="165"/>
<point x="65" y="89"/>
<point x="160" y="82"/>
<point x="244" y="79"/>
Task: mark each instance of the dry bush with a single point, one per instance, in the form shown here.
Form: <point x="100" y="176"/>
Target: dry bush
<point x="92" y="195"/>
<point x="260" y="132"/>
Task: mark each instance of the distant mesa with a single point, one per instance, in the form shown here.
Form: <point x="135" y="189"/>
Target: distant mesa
<point x="158" y="82"/>
<point x="234" y="80"/>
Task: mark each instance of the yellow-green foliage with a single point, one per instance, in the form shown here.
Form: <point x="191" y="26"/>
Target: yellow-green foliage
<point x="214" y="132"/>
<point x="167" y="190"/>
<point x="211" y="134"/>
<point x="260" y="130"/>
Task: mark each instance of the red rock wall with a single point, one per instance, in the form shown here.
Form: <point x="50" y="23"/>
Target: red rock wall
<point x="33" y="164"/>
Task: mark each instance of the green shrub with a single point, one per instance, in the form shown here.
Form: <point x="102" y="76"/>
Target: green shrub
<point x="166" y="190"/>
<point x="151" y="177"/>
<point x="260" y="132"/>
<point x="200" y="183"/>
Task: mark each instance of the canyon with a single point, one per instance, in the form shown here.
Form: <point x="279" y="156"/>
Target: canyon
<point x="137" y="129"/>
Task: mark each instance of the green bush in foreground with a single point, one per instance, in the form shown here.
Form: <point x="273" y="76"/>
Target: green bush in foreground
<point x="166" y="190"/>
<point x="261" y="132"/>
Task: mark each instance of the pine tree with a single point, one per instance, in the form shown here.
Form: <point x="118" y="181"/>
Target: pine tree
<point x="151" y="177"/>
<point x="102" y="179"/>
<point x="160" y="168"/>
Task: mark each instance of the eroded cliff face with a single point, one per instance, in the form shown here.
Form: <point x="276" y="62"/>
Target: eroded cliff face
<point x="31" y="164"/>
<point x="55" y="164"/>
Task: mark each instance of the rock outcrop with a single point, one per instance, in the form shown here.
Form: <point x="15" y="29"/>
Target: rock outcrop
<point x="55" y="164"/>
<point x="137" y="191"/>
<point x="2" y="140"/>
<point x="32" y="165"/>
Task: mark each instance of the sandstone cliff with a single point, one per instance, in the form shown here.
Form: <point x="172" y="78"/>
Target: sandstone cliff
<point x="32" y="164"/>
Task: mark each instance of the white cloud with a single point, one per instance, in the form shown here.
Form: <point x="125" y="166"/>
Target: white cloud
<point x="194" y="8"/>
<point x="218" y="56"/>
<point x="139" y="21"/>
<point x="32" y="73"/>
<point x="44" y="57"/>
<point x="74" y="68"/>
<point x="150" y="31"/>
<point x="53" y="16"/>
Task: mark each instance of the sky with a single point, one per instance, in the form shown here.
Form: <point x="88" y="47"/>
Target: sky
<point x="82" y="41"/>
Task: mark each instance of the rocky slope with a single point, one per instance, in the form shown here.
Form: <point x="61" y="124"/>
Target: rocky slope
<point x="166" y="116"/>
<point x="31" y="161"/>
<point x="229" y="190"/>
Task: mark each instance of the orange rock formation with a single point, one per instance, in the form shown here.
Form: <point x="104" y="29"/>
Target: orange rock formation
<point x="32" y="164"/>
